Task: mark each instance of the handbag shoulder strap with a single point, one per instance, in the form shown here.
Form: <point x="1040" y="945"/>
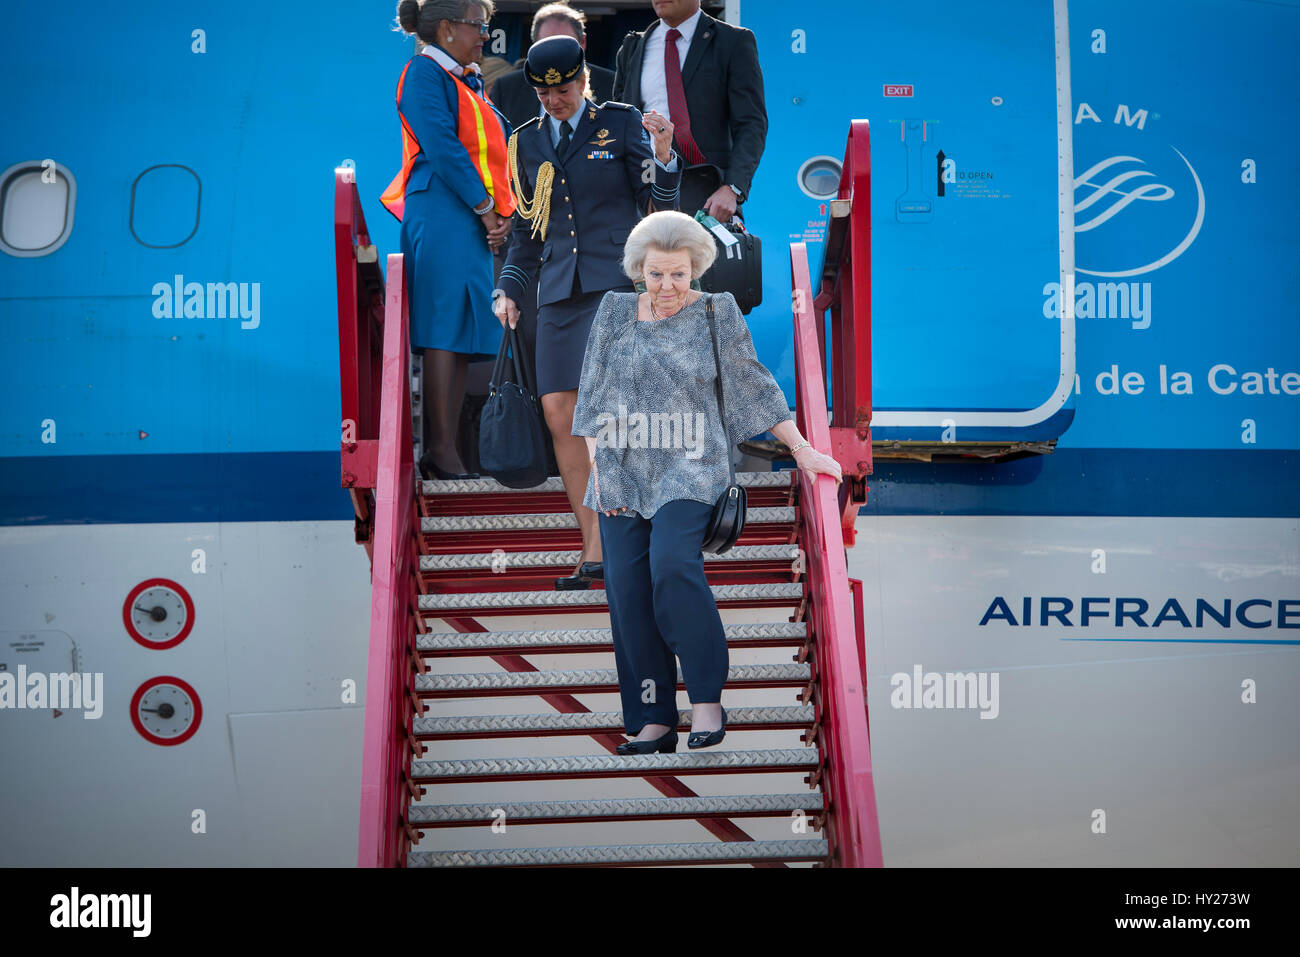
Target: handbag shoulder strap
<point x="722" y="408"/>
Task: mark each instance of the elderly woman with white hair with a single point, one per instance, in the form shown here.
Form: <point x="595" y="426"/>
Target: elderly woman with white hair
<point x="649" y="358"/>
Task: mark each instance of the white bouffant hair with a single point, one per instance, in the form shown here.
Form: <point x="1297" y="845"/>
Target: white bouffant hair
<point x="669" y="232"/>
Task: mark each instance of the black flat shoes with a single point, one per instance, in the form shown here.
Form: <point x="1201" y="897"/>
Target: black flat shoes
<point x="667" y="744"/>
<point x="429" y="470"/>
<point x="707" y="739"/>
<point x="587" y="572"/>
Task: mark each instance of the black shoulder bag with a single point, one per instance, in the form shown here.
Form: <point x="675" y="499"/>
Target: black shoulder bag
<point x="512" y="437"/>
<point x="728" y="519"/>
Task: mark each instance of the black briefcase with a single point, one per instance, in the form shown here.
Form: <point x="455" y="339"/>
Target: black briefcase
<point x="512" y="434"/>
<point x="741" y="272"/>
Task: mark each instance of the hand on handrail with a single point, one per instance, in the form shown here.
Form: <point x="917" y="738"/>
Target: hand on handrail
<point x="815" y="463"/>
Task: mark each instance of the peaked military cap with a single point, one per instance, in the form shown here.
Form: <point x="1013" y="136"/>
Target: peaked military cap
<point x="554" y="61"/>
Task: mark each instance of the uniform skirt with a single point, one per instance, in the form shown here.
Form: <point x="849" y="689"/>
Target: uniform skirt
<point x="562" y="329"/>
<point x="449" y="278"/>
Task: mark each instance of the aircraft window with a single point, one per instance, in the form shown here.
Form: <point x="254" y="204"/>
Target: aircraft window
<point x="162" y="198"/>
<point x="37" y="199"/>
<point x="819" y="177"/>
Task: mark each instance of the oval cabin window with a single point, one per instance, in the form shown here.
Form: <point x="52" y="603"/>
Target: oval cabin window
<point x="37" y="199"/>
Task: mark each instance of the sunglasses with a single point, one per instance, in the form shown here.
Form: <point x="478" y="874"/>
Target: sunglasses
<point x="481" y="24"/>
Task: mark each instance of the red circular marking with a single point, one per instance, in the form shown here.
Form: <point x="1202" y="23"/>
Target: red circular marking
<point x="149" y="735"/>
<point x="130" y="603"/>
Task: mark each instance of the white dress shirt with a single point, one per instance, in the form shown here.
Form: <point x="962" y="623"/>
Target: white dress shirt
<point x="654" y="84"/>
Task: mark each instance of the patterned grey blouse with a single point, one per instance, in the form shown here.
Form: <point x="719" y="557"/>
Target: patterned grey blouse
<point x="647" y="396"/>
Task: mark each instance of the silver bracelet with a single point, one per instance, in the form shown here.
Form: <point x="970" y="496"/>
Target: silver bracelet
<point x="485" y="209"/>
<point x="799" y="446"/>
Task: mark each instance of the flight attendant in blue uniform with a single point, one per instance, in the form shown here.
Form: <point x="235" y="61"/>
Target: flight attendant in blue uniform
<point x="584" y="176"/>
<point x="454" y="200"/>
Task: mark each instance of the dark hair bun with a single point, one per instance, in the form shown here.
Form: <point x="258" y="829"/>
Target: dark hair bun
<point x="408" y="12"/>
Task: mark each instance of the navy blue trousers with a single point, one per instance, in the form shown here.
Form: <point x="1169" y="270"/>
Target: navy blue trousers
<point x="661" y="609"/>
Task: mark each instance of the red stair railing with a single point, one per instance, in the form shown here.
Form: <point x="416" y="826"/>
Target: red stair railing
<point x="844" y="288"/>
<point x="393" y="604"/>
<point x="835" y="606"/>
<point x="360" y="310"/>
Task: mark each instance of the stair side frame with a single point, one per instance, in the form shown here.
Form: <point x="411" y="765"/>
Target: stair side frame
<point x="382" y="841"/>
<point x="853" y="827"/>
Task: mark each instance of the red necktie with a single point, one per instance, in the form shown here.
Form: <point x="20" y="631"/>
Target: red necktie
<point x="678" y="113"/>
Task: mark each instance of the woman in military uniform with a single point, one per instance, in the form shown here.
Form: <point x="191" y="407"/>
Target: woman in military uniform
<point x="584" y="175"/>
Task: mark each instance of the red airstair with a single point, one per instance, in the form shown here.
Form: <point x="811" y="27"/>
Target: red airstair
<point x="476" y="740"/>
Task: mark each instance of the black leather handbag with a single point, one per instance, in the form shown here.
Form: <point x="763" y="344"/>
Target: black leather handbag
<point x="741" y="273"/>
<point x="728" y="519"/>
<point x="512" y="433"/>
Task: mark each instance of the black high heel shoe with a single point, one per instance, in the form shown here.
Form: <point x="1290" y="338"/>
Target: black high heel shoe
<point x="429" y="470"/>
<point x="666" y="744"/>
<point x="707" y="739"/>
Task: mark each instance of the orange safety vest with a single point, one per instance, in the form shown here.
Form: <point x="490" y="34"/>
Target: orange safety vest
<point x="479" y="133"/>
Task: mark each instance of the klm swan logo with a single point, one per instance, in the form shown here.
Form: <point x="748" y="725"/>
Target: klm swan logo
<point x="1141" y="217"/>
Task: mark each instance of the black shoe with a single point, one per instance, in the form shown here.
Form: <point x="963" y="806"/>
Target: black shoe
<point x="592" y="569"/>
<point x="573" y="583"/>
<point x="667" y="744"/>
<point x="707" y="739"/>
<point x="429" y="470"/>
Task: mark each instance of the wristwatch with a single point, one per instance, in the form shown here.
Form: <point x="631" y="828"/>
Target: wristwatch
<point x="736" y="190"/>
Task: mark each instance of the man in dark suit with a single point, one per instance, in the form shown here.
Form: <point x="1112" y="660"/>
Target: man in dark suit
<point x="713" y="93"/>
<point x="515" y="96"/>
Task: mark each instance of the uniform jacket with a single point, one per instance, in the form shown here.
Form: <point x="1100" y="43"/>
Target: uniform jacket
<point x="599" y="194"/>
<point x="431" y="106"/>
<point x="724" y="94"/>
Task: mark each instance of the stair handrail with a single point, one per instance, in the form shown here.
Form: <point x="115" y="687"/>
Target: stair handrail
<point x="360" y="287"/>
<point x="386" y="749"/>
<point x="842" y="286"/>
<point x="852" y="826"/>
<point x="827" y="514"/>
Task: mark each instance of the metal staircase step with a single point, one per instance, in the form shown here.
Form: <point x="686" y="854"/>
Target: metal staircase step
<point x="568" y="558"/>
<point x="593" y="722"/>
<point x="524" y="521"/>
<point x="704" y="761"/>
<point x="721" y="852"/>
<point x="615" y="809"/>
<point x="482" y="486"/>
<point x="430" y="685"/>
<point x="764" y="593"/>
<point x="450" y="644"/>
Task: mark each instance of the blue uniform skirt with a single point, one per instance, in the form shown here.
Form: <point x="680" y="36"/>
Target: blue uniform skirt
<point x="562" y="329"/>
<point x="449" y="278"/>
